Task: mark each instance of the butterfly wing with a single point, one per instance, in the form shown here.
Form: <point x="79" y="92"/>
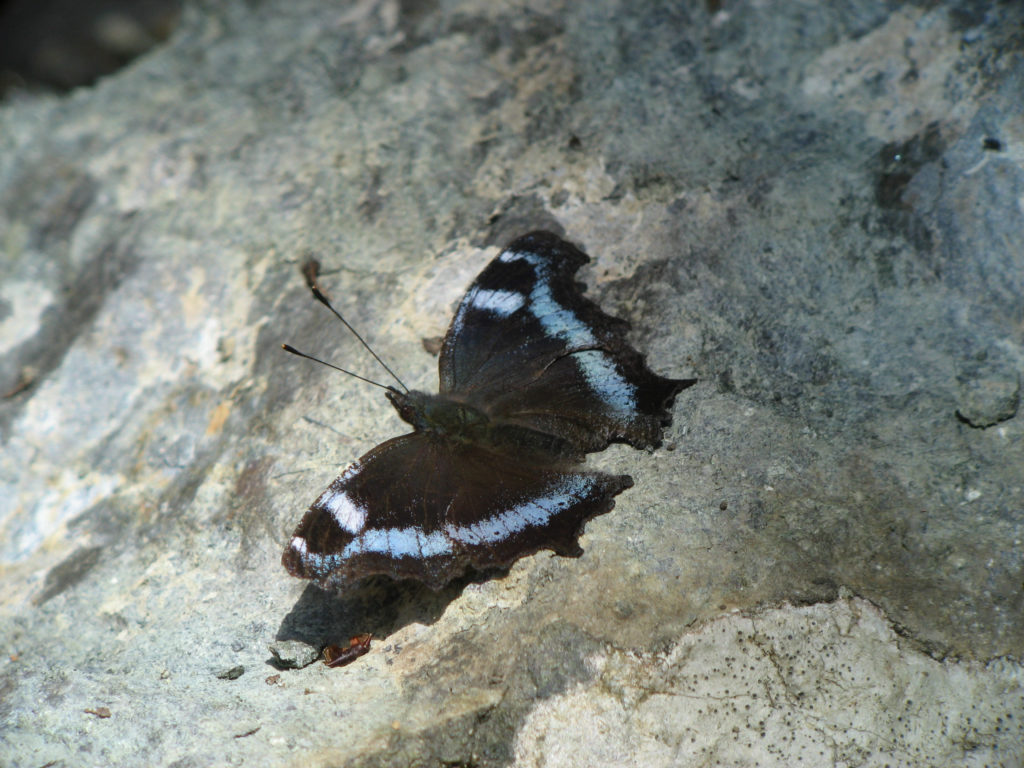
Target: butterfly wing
<point x="438" y="508"/>
<point x="528" y="348"/>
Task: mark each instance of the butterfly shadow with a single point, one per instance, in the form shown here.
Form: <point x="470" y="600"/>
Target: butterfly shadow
<point x="377" y="605"/>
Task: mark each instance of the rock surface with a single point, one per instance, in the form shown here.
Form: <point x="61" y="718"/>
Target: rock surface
<point x="815" y="210"/>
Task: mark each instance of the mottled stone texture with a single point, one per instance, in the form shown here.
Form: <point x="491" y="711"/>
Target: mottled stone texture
<point x="814" y="208"/>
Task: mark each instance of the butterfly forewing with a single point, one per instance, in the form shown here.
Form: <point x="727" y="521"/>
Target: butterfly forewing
<point x="447" y="508"/>
<point x="526" y="346"/>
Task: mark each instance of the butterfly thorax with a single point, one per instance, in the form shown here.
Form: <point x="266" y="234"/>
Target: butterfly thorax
<point x="441" y="415"/>
<point x="458" y="422"/>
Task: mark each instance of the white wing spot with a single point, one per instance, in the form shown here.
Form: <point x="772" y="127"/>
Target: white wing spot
<point x="320" y="564"/>
<point x="507" y="257"/>
<point x="535" y="512"/>
<point x="500" y="303"/>
<point x="400" y="542"/>
<point x="556" y="319"/>
<point x="601" y="373"/>
<point x="349" y="515"/>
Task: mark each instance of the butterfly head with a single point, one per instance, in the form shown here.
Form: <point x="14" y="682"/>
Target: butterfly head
<point x="408" y="404"/>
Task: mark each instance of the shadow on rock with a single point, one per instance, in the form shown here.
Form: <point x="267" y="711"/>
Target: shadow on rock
<point x="377" y="605"/>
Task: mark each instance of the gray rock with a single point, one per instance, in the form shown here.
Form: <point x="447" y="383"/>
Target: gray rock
<point x="231" y="673"/>
<point x="989" y="394"/>
<point x="293" y="654"/>
<point x="813" y="208"/>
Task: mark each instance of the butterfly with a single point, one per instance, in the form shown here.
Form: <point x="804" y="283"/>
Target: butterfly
<point x="533" y="376"/>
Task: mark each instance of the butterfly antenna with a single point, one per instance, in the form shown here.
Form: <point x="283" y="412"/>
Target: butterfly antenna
<point x="294" y="351"/>
<point x="310" y="271"/>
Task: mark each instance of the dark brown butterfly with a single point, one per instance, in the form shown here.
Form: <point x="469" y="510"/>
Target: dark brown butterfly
<point x="534" y="376"/>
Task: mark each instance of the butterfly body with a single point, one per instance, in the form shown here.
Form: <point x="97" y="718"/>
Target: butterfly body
<point x="442" y="415"/>
<point x="533" y="376"/>
<point x="459" y="422"/>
